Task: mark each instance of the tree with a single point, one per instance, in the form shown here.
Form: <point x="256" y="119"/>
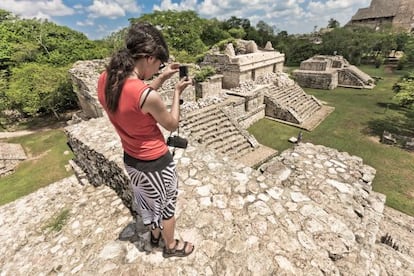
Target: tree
<point x="265" y="32"/>
<point x="212" y="32"/>
<point x="237" y="32"/>
<point x="333" y="23"/>
<point x="40" y="88"/>
<point x="404" y="90"/>
<point x="182" y="30"/>
<point x="234" y="23"/>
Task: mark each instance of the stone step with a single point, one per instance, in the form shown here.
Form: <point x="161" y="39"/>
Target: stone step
<point x="222" y="134"/>
<point x="208" y="117"/>
<point x="257" y="156"/>
<point x="206" y="125"/>
<point x="235" y="142"/>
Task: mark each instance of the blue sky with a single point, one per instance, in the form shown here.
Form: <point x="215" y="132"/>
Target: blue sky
<point x="99" y="18"/>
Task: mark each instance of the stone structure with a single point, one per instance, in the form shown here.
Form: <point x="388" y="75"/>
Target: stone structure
<point x="218" y="117"/>
<point x="84" y="75"/>
<point x="10" y="156"/>
<point x="209" y="88"/>
<point x="397" y="13"/>
<point x="402" y="141"/>
<point x="239" y="68"/>
<point x="309" y="211"/>
<point x="329" y="72"/>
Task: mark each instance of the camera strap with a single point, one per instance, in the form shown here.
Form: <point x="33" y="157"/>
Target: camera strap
<point x="178" y="133"/>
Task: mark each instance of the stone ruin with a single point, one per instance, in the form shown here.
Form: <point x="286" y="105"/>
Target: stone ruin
<point x="10" y="156"/>
<point x="397" y="13"/>
<point x="402" y="141"/>
<point x="329" y="72"/>
<point x="248" y="87"/>
<point x="248" y="64"/>
<point x="309" y="211"/>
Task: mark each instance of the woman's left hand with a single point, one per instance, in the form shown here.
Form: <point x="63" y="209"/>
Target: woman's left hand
<point x="170" y="70"/>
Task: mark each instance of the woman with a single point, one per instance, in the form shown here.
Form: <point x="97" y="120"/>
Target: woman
<point x="134" y="109"/>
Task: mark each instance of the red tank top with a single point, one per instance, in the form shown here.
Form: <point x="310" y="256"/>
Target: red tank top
<point x="140" y="135"/>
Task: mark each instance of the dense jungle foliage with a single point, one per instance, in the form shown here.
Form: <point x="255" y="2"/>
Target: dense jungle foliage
<point x="36" y="54"/>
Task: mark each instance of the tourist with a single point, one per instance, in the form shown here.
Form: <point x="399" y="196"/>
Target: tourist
<point x="135" y="108"/>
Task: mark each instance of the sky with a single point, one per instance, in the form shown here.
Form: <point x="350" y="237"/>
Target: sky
<point x="99" y="18"/>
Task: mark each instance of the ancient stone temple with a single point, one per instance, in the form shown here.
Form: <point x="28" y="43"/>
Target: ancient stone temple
<point x="245" y="64"/>
<point x="310" y="210"/>
<point x="329" y="72"/>
<point x="397" y="13"/>
<point x="219" y="117"/>
<point x="10" y="156"/>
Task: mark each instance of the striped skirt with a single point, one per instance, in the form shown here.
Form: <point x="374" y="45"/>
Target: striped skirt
<point x="155" y="187"/>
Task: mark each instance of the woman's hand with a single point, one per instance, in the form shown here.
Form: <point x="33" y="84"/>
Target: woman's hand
<point x="170" y="70"/>
<point x="182" y="84"/>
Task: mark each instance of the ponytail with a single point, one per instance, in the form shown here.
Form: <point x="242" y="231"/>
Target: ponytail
<point x="118" y="70"/>
<point x="142" y="39"/>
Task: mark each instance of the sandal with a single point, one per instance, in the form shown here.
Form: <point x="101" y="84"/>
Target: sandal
<point x="155" y="241"/>
<point x="174" y="252"/>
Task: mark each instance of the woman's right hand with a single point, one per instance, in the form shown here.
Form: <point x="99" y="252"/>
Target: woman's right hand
<point x="182" y="84"/>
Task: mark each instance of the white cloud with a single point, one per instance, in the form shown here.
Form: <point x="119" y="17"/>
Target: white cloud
<point x="87" y="22"/>
<point x="182" y="6"/>
<point x="295" y="16"/>
<point x="112" y="8"/>
<point x="335" y="6"/>
<point x="36" y="8"/>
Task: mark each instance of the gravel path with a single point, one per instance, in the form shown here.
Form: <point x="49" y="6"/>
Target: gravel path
<point x="6" y="134"/>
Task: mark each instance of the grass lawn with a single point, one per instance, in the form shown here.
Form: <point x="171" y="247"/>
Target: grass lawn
<point x="45" y="164"/>
<point x="355" y="126"/>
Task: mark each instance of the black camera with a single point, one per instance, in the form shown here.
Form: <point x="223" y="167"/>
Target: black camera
<point x="177" y="142"/>
<point x="183" y="72"/>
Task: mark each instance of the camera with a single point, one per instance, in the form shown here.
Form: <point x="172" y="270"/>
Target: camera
<point x="177" y="142"/>
<point x="183" y="72"/>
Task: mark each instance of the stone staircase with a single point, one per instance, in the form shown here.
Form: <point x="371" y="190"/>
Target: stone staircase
<point x="358" y="78"/>
<point x="295" y="101"/>
<point x="215" y="129"/>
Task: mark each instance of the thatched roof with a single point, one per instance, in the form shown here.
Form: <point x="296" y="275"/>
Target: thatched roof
<point x="378" y="9"/>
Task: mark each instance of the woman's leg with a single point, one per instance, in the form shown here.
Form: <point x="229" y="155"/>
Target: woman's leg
<point x="168" y="236"/>
<point x="168" y="232"/>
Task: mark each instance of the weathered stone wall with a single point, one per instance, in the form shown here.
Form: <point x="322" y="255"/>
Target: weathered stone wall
<point x="328" y="72"/>
<point x="85" y="75"/>
<point x="103" y="166"/>
<point x="317" y="79"/>
<point x="274" y="110"/>
<point x="260" y="71"/>
<point x="314" y="65"/>
<point x="252" y="99"/>
<point x="237" y="69"/>
<point x="209" y="88"/>
<point x="252" y="117"/>
<point x="309" y="211"/>
<point x="346" y="78"/>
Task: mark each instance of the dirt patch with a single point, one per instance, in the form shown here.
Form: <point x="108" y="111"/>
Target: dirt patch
<point x="410" y="194"/>
<point x="389" y="68"/>
<point x="374" y="139"/>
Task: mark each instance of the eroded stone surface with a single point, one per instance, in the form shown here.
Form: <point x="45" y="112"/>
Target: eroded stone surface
<point x="288" y="220"/>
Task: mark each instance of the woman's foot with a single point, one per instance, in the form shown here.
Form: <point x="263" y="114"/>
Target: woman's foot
<point x="180" y="249"/>
<point x="155" y="240"/>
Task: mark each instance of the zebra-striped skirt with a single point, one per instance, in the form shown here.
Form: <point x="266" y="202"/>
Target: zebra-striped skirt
<point x="155" y="187"/>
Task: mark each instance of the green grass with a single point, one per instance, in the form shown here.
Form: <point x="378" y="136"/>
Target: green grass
<point x="45" y="165"/>
<point x="57" y="222"/>
<point x="355" y="126"/>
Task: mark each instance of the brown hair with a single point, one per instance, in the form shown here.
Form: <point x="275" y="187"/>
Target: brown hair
<point x="142" y="40"/>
